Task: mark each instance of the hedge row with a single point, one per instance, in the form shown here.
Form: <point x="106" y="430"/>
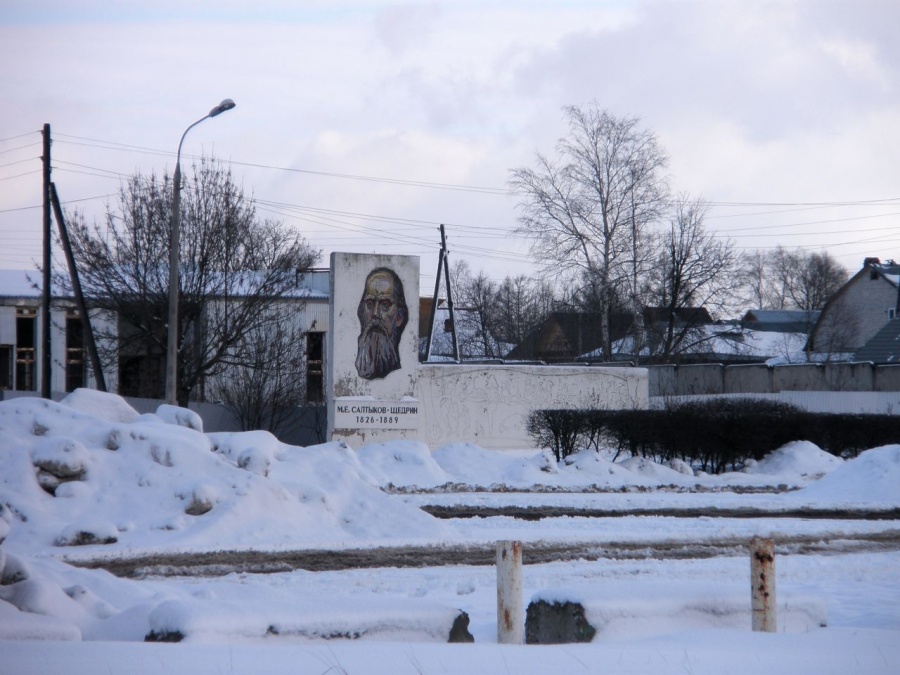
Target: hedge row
<point x="713" y="434"/>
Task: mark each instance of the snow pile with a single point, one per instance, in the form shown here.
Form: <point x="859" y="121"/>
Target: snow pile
<point x="871" y="478"/>
<point x="633" y="610"/>
<point x="410" y="466"/>
<point x="800" y="458"/>
<point x="211" y="620"/>
<point x="74" y="478"/>
<point x="402" y="463"/>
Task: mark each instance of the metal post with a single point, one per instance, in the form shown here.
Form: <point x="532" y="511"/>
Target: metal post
<point x="174" y="255"/>
<point x="510" y="605"/>
<point x="46" y="356"/>
<point x="174" y="250"/>
<point x="762" y="585"/>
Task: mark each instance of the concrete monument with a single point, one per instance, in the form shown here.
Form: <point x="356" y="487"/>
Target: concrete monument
<point x="372" y="348"/>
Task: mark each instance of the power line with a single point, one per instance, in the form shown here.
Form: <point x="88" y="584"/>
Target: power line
<point x="13" y="138"/>
<point x="107" y="145"/>
<point x="19" y="175"/>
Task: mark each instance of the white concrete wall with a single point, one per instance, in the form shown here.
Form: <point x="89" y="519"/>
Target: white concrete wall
<point x="489" y="405"/>
<point x="853" y="402"/>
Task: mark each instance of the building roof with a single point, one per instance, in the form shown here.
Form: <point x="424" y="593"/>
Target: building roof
<point x="25" y="284"/>
<point x="884" y="346"/>
<point x="697" y="316"/>
<point x="781" y="320"/>
<point x="312" y="284"/>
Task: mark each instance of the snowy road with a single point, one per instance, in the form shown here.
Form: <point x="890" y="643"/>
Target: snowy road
<point x="833" y="538"/>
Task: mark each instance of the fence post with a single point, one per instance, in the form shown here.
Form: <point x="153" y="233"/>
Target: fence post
<point x="510" y="614"/>
<point x="762" y="584"/>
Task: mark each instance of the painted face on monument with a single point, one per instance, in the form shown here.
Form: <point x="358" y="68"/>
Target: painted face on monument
<point x="380" y="304"/>
<point x="382" y="316"/>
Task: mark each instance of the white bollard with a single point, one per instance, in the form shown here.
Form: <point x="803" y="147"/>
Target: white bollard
<point x="762" y="584"/>
<point x="510" y="612"/>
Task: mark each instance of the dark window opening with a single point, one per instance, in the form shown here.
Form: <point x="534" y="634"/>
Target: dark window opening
<point x="6" y="370"/>
<point x="315" y="358"/>
<point x="26" y="379"/>
<point x="142" y="376"/>
<point x="75" y="375"/>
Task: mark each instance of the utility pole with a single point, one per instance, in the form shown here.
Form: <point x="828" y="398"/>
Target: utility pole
<point x="76" y="289"/>
<point x="46" y="360"/>
<point x="443" y="266"/>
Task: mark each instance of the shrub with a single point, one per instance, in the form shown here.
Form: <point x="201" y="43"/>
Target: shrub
<point x="713" y="434"/>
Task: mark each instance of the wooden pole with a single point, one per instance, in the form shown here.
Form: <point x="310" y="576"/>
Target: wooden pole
<point x="449" y="295"/>
<point x="510" y="606"/>
<point x="434" y="301"/>
<point x="762" y="585"/>
<point x="76" y="290"/>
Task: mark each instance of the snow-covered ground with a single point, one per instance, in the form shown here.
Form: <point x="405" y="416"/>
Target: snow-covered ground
<point x="89" y="479"/>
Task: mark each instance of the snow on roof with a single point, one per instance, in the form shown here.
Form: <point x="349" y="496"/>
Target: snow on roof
<point x="313" y="284"/>
<point x="24" y="284"/>
<point x="736" y="342"/>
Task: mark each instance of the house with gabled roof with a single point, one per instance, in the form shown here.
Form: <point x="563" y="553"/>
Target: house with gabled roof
<point x="859" y="309"/>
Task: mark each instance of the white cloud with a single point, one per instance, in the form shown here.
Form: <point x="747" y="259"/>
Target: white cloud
<point x="776" y="101"/>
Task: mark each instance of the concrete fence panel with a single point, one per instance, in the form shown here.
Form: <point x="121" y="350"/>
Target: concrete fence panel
<point x="850" y="376"/>
<point x="663" y="380"/>
<point x="802" y="377"/>
<point x="699" y="379"/>
<point x="748" y="379"/>
<point x="886" y="378"/>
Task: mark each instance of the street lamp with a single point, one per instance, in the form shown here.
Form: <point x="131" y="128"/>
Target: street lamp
<point x="174" y="249"/>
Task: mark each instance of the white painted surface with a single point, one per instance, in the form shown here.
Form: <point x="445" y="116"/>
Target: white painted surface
<point x="510" y="598"/>
<point x="762" y="583"/>
<point x="489" y="404"/>
<point x="369" y="413"/>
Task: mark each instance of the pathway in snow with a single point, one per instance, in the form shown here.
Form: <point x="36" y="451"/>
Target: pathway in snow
<point x="220" y="563"/>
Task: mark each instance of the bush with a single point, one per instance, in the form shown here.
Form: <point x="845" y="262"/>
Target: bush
<point x="559" y="430"/>
<point x="713" y="434"/>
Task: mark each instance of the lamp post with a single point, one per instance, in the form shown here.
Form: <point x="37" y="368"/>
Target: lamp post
<point x="174" y="250"/>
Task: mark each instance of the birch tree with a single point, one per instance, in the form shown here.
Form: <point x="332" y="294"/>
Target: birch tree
<point x="585" y="210"/>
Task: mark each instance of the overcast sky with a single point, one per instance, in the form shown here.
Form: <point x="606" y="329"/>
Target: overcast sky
<point x="365" y="124"/>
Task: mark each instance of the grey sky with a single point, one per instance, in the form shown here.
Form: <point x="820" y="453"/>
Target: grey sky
<point x="767" y="109"/>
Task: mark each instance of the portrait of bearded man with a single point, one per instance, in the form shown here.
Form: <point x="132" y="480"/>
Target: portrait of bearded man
<point x="383" y="315"/>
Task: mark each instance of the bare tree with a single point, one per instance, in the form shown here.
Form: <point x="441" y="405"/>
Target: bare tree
<point x="837" y="333"/>
<point x="820" y="277"/>
<point x="477" y="309"/>
<point x="754" y="279"/>
<point x="585" y="211"/>
<point x="802" y="280"/>
<point x="234" y="268"/>
<point x="522" y="303"/>
<point x="695" y="270"/>
<point x="269" y="387"/>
